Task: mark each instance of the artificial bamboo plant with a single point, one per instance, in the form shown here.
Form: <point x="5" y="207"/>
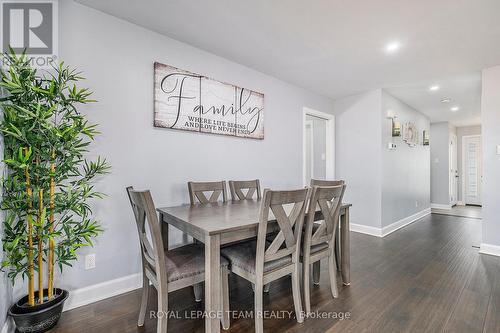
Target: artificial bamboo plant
<point x="47" y="182"/>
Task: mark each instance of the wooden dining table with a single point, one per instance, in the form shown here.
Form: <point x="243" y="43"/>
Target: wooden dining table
<point x="222" y="223"/>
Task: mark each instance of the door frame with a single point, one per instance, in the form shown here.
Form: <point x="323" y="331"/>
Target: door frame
<point x="311" y="146"/>
<point x="453" y="155"/>
<point x="330" y="142"/>
<point x="464" y="137"/>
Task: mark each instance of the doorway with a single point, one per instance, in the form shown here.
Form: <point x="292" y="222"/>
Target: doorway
<point x="472" y="170"/>
<point x="318" y="145"/>
<point x="453" y="170"/>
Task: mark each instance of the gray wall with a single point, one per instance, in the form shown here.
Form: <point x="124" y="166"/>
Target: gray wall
<point x="117" y="59"/>
<point x="490" y="120"/>
<point x="405" y="170"/>
<point x="461" y="132"/>
<point x="359" y="159"/>
<point x="440" y="160"/>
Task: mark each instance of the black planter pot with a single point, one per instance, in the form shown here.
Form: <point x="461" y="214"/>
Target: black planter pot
<point x="38" y="318"/>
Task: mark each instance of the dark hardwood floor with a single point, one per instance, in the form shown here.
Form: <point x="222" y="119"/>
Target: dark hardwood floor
<point x="427" y="277"/>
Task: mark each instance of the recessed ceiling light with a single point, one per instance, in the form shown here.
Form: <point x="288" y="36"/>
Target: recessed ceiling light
<point x="455" y="108"/>
<point x="392" y="47"/>
<point x="445" y="100"/>
<point x="434" y="88"/>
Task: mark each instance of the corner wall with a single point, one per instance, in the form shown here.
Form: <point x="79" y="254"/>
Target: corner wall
<point x="490" y="120"/>
<point x="405" y="170"/>
<point x="358" y="158"/>
<point x="440" y="164"/>
<point x="388" y="188"/>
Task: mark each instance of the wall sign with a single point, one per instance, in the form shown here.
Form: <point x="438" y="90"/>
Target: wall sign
<point x="193" y="102"/>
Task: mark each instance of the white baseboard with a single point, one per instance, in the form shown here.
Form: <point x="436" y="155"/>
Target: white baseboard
<point x="404" y="222"/>
<point x="382" y="232"/>
<point x="460" y="203"/>
<point x="100" y="291"/>
<point x="364" y="229"/>
<point x="490" y="249"/>
<point x="440" y="206"/>
<point x="90" y="294"/>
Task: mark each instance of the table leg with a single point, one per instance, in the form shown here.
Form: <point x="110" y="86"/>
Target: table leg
<point x="164" y="231"/>
<point x="212" y="284"/>
<point x="337" y="247"/>
<point x="345" y="245"/>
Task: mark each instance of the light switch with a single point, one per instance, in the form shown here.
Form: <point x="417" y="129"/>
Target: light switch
<point x="323" y="157"/>
<point x="436" y="160"/>
<point x="498" y="149"/>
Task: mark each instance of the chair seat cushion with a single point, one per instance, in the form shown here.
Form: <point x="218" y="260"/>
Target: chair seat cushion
<point x="319" y="247"/>
<point x="187" y="261"/>
<point x="243" y="255"/>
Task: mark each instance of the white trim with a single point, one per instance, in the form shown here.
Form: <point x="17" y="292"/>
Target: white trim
<point x="490" y="249"/>
<point x="382" y="232"/>
<point x="330" y="142"/>
<point x="367" y="230"/>
<point x="9" y="326"/>
<point x="460" y="203"/>
<point x="311" y="147"/>
<point x="404" y="222"/>
<point x="100" y="291"/>
<point x="453" y="197"/>
<point x="440" y="206"/>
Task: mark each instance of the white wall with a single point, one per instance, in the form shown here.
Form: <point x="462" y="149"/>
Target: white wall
<point x="117" y="59"/>
<point x="358" y="159"/>
<point x="440" y="161"/>
<point x="405" y="170"/>
<point x="461" y="132"/>
<point x="490" y="120"/>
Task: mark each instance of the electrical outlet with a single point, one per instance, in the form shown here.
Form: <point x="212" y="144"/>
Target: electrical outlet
<point x="416" y="203"/>
<point x="90" y="261"/>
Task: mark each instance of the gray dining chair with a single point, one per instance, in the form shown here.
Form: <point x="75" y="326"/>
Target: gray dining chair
<point x="261" y="262"/>
<point x="168" y="270"/>
<point x="197" y="191"/>
<point x="252" y="187"/>
<point x="238" y="186"/>
<point x="317" y="264"/>
<point x="319" y="238"/>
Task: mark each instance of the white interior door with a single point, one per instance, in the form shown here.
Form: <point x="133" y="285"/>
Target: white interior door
<point x="472" y="170"/>
<point x="318" y="145"/>
<point x="453" y="170"/>
<point x="309" y="149"/>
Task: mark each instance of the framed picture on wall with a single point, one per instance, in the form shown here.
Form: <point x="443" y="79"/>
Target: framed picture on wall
<point x="193" y="102"/>
<point x="425" y="138"/>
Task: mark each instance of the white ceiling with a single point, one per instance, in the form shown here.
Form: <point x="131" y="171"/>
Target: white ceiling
<point x="336" y="47"/>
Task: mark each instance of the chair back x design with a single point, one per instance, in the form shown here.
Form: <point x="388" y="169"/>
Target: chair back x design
<point x="329" y="200"/>
<point x="237" y="187"/>
<point x="197" y="192"/>
<point x="287" y="240"/>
